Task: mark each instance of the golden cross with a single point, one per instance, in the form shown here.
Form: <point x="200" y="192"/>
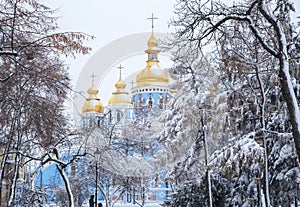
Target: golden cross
<point x="93" y="78"/>
<point x="120" y="68"/>
<point x="152" y="19"/>
<point x="132" y="82"/>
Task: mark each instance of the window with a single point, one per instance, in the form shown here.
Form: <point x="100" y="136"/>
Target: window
<point x="118" y="116"/>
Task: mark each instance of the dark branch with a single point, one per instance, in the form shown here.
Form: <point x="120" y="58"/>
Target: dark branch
<point x="8" y="53"/>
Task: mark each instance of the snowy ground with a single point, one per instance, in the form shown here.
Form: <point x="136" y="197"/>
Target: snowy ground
<point x="130" y="205"/>
<point x="116" y="205"/>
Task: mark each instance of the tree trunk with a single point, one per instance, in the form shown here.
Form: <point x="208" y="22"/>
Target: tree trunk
<point x="12" y="195"/>
<point x="67" y="185"/>
<point x="285" y="77"/>
<point x="292" y="104"/>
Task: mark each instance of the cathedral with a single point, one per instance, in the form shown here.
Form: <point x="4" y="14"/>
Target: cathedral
<point x="151" y="92"/>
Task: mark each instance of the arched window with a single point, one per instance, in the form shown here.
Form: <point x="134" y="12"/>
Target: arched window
<point x="109" y="117"/>
<point x="160" y="101"/>
<point x="118" y="116"/>
<point x="98" y="121"/>
<point x="150" y="102"/>
<point x="90" y="122"/>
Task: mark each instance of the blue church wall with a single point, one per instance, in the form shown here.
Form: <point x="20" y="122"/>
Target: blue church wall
<point x="129" y="114"/>
<point x="92" y="119"/>
<point x="158" y="99"/>
<point x="116" y="115"/>
<point x="48" y="177"/>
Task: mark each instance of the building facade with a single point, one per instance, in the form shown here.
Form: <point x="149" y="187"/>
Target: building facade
<point x="122" y="110"/>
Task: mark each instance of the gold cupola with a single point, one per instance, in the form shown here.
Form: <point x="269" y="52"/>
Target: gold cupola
<point x="120" y="96"/>
<point x="152" y="74"/>
<point x="92" y="103"/>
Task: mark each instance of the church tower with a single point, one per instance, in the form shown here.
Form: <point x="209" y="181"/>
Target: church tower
<point x="119" y="105"/>
<point x="152" y="89"/>
<point x="92" y="110"/>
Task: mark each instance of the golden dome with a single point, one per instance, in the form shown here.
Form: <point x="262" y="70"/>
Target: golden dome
<point x="120" y="96"/>
<point x="92" y="103"/>
<point x="152" y="74"/>
<point x="99" y="107"/>
<point x="152" y="43"/>
<point x="120" y="84"/>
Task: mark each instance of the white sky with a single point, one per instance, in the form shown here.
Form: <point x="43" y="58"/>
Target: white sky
<point x="109" y="20"/>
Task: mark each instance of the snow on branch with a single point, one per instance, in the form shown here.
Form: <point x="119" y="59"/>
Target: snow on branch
<point x="8" y="53"/>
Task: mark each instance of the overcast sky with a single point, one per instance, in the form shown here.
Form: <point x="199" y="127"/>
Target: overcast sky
<point x="109" y="20"/>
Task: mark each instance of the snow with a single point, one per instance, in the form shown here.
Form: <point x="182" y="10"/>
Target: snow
<point x="130" y="205"/>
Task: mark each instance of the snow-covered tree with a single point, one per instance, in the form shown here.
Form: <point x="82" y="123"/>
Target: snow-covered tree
<point x="252" y="45"/>
<point x="34" y="84"/>
<point x="126" y="152"/>
<point x="235" y="179"/>
<point x="284" y="172"/>
<point x="267" y="22"/>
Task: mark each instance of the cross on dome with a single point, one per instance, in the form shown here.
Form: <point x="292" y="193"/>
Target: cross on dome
<point x="92" y="102"/>
<point x="152" y="20"/>
<point x="132" y="82"/>
<point x="120" y="96"/>
<point x="93" y="78"/>
<point x="120" y="84"/>
<point x="120" y="68"/>
<point x="152" y="74"/>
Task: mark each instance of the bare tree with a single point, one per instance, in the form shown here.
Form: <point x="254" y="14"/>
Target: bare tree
<point x="34" y="84"/>
<point x="252" y="42"/>
<point x="205" y="23"/>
